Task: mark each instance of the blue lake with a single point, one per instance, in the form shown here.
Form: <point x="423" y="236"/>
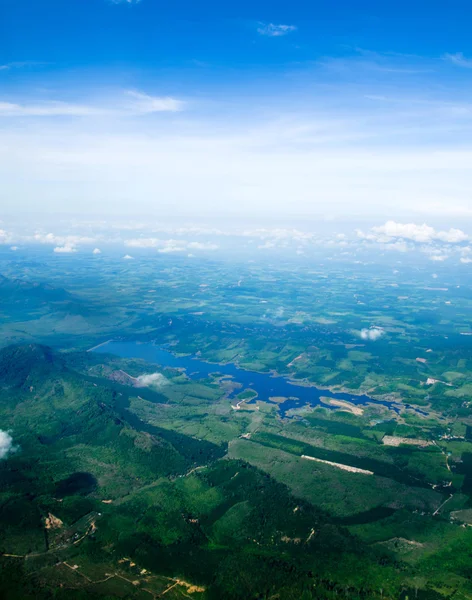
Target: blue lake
<point x="266" y="385"/>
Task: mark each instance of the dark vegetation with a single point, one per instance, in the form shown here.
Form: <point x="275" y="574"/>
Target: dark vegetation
<point x="142" y="474"/>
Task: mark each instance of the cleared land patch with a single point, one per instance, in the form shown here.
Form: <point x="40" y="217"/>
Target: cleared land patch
<point x="393" y="440"/>
<point x="339" y="466"/>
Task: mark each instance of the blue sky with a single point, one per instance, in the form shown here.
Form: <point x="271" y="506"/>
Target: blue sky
<point x="202" y="108"/>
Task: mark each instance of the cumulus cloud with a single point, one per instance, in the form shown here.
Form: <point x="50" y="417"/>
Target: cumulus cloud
<point x="453" y="236"/>
<point x="127" y="257"/>
<point x="421" y="234"/>
<point x="66" y="249"/>
<point x="96" y="251"/>
<point x="372" y="334"/>
<point x="272" y="30"/>
<point x="6" y="444"/>
<point x="152" y="380"/>
<point x="465" y="260"/>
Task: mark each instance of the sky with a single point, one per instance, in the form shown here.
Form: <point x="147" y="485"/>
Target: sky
<point x="251" y="110"/>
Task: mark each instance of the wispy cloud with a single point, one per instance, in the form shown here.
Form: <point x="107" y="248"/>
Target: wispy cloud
<point x="370" y="62"/>
<point x="272" y="30"/>
<point x="459" y="59"/>
<point x="144" y="103"/>
<point x="140" y="104"/>
<point x="406" y="154"/>
<point x="21" y="64"/>
<point x="48" y="109"/>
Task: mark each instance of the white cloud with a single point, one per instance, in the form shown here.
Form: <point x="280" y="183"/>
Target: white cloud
<point x="400" y="246"/>
<point x="6" y="237"/>
<point x="96" y="251"/>
<point x="438" y="257"/>
<point x="49" y="109"/>
<point x="66" y="249"/>
<point x="152" y="380"/>
<point x="21" y="64"/>
<point x="243" y="153"/>
<point x="279" y="234"/>
<point x="143" y="243"/>
<point x="202" y="246"/>
<point x="127" y="257"/>
<point x="420" y="234"/>
<point x="453" y="236"/>
<point x="61" y="240"/>
<point x="149" y="104"/>
<point x="272" y="30"/>
<point x="171" y="248"/>
<point x="459" y="59"/>
<point x="140" y="104"/>
<point x="6" y="444"/>
<point x="14" y="248"/>
<point x="410" y="231"/>
<point x="167" y="246"/>
<point x="372" y="334"/>
<point x="465" y="260"/>
<point x="268" y="245"/>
